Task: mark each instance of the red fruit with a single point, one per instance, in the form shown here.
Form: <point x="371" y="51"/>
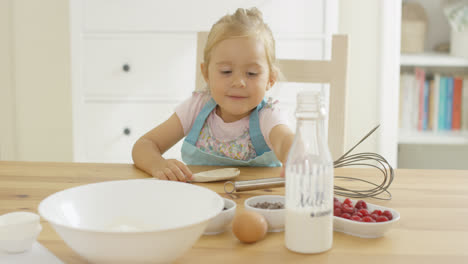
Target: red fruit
<point x="348" y="201"/>
<point x="361" y="205"/>
<point x="337" y="212"/>
<point x="382" y="219"/>
<point x="346" y="216"/>
<point x="356" y="218"/>
<point x="336" y="204"/>
<point x="387" y="214"/>
<point x="378" y="212"/>
<point x="335" y="199"/>
<point x="347" y="208"/>
<point x="364" y="212"/>
<point x="368" y="219"/>
<point x="374" y="216"/>
<point x="359" y="214"/>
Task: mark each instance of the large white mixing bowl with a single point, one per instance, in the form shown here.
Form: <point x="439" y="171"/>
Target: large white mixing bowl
<point x="131" y="221"/>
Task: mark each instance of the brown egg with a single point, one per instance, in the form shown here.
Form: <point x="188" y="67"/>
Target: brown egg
<point x="249" y="226"/>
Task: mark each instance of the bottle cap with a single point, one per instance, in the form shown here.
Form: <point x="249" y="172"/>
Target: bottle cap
<point x="310" y="102"/>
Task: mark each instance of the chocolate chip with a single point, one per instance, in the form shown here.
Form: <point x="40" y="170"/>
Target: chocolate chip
<point x="268" y="205"/>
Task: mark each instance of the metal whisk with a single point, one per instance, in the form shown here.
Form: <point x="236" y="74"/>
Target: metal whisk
<point x="365" y="159"/>
<point x="346" y="160"/>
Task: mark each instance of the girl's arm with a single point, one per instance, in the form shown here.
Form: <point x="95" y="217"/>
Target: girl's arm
<point x="281" y="138"/>
<point x="147" y="151"/>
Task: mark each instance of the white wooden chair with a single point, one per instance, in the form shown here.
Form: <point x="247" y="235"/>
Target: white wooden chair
<point x="332" y="71"/>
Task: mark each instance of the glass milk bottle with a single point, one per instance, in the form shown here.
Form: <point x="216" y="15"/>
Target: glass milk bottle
<point x="309" y="180"/>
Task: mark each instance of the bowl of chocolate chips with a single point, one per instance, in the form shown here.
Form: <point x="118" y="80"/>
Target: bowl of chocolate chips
<point x="271" y="207"/>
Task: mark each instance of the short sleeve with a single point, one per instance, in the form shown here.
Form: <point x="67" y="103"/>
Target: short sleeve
<point x="189" y="109"/>
<point x="270" y="116"/>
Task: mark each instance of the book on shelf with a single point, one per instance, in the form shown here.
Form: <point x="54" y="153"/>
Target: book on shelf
<point x="464" y="108"/>
<point x="433" y="101"/>
<point x="449" y="103"/>
<point x="434" y="106"/>
<point x="420" y="84"/>
<point x="457" y="101"/>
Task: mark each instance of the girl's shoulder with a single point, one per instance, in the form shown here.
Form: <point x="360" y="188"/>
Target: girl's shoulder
<point x="188" y="110"/>
<point x="272" y="112"/>
<point x="271" y="103"/>
<point x="201" y="97"/>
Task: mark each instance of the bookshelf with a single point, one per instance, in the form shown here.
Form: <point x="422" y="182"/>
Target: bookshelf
<point x="427" y="137"/>
<point x="433" y="138"/>
<point x="432" y="60"/>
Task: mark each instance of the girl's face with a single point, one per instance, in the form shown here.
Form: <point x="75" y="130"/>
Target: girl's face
<point x="238" y="76"/>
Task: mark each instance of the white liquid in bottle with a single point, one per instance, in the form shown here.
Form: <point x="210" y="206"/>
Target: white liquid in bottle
<point x="308" y="234"/>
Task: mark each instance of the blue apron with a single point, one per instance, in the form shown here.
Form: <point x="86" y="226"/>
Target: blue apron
<point x="192" y="155"/>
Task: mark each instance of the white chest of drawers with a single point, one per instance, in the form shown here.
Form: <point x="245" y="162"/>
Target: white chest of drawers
<point x="134" y="61"/>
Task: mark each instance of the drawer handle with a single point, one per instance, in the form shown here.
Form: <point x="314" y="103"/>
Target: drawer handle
<point x="127" y="131"/>
<point x="126" y="68"/>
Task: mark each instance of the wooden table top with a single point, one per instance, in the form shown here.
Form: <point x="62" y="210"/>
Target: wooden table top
<point x="433" y="205"/>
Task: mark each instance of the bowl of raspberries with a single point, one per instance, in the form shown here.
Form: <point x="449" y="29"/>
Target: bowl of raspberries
<point x="362" y="219"/>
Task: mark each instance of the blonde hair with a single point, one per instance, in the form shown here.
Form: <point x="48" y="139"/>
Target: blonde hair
<point x="243" y="23"/>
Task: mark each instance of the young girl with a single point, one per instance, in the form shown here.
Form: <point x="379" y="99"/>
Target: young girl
<point x="231" y="123"/>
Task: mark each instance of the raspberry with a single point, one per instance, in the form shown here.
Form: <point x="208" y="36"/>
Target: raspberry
<point x="336" y="204"/>
<point x="346" y="216"/>
<point x="364" y="212"/>
<point x="348" y="201"/>
<point x="356" y="218"/>
<point x="382" y="219"/>
<point x="387" y="214"/>
<point x="359" y="214"/>
<point x="347" y="208"/>
<point x="337" y="212"/>
<point x="361" y="205"/>
<point x="368" y="219"/>
<point x="378" y="212"/>
<point x="335" y="199"/>
<point x="374" y="216"/>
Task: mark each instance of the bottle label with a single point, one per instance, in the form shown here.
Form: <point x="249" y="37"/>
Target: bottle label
<point x="319" y="214"/>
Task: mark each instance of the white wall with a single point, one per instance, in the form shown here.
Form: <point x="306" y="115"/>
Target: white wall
<point x="359" y="19"/>
<point x="7" y="124"/>
<point x="40" y="78"/>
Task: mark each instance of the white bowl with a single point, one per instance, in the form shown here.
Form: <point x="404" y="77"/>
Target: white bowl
<point x="219" y="224"/>
<point x="274" y="217"/>
<point x="365" y="229"/>
<point x="131" y="221"/>
<point x="18" y="231"/>
<point x="20" y="244"/>
<point x="18" y="225"/>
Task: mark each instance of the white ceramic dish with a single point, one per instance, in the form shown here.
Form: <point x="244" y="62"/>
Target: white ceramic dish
<point x="131" y="221"/>
<point x="219" y="224"/>
<point x="274" y="217"/>
<point x="364" y="229"/>
<point x="18" y="231"/>
<point x="20" y="244"/>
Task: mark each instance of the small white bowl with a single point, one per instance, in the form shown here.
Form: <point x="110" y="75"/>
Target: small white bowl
<point x="18" y="231"/>
<point x="219" y="224"/>
<point x="365" y="229"/>
<point x="274" y="217"/>
<point x="20" y="244"/>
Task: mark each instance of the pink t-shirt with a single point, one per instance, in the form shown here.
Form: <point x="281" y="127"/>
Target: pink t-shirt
<point x="270" y="116"/>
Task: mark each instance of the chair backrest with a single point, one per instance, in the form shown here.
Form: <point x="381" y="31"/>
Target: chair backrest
<point x="332" y="71"/>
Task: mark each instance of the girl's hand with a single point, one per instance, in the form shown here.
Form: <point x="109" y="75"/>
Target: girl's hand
<point x="172" y="170"/>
